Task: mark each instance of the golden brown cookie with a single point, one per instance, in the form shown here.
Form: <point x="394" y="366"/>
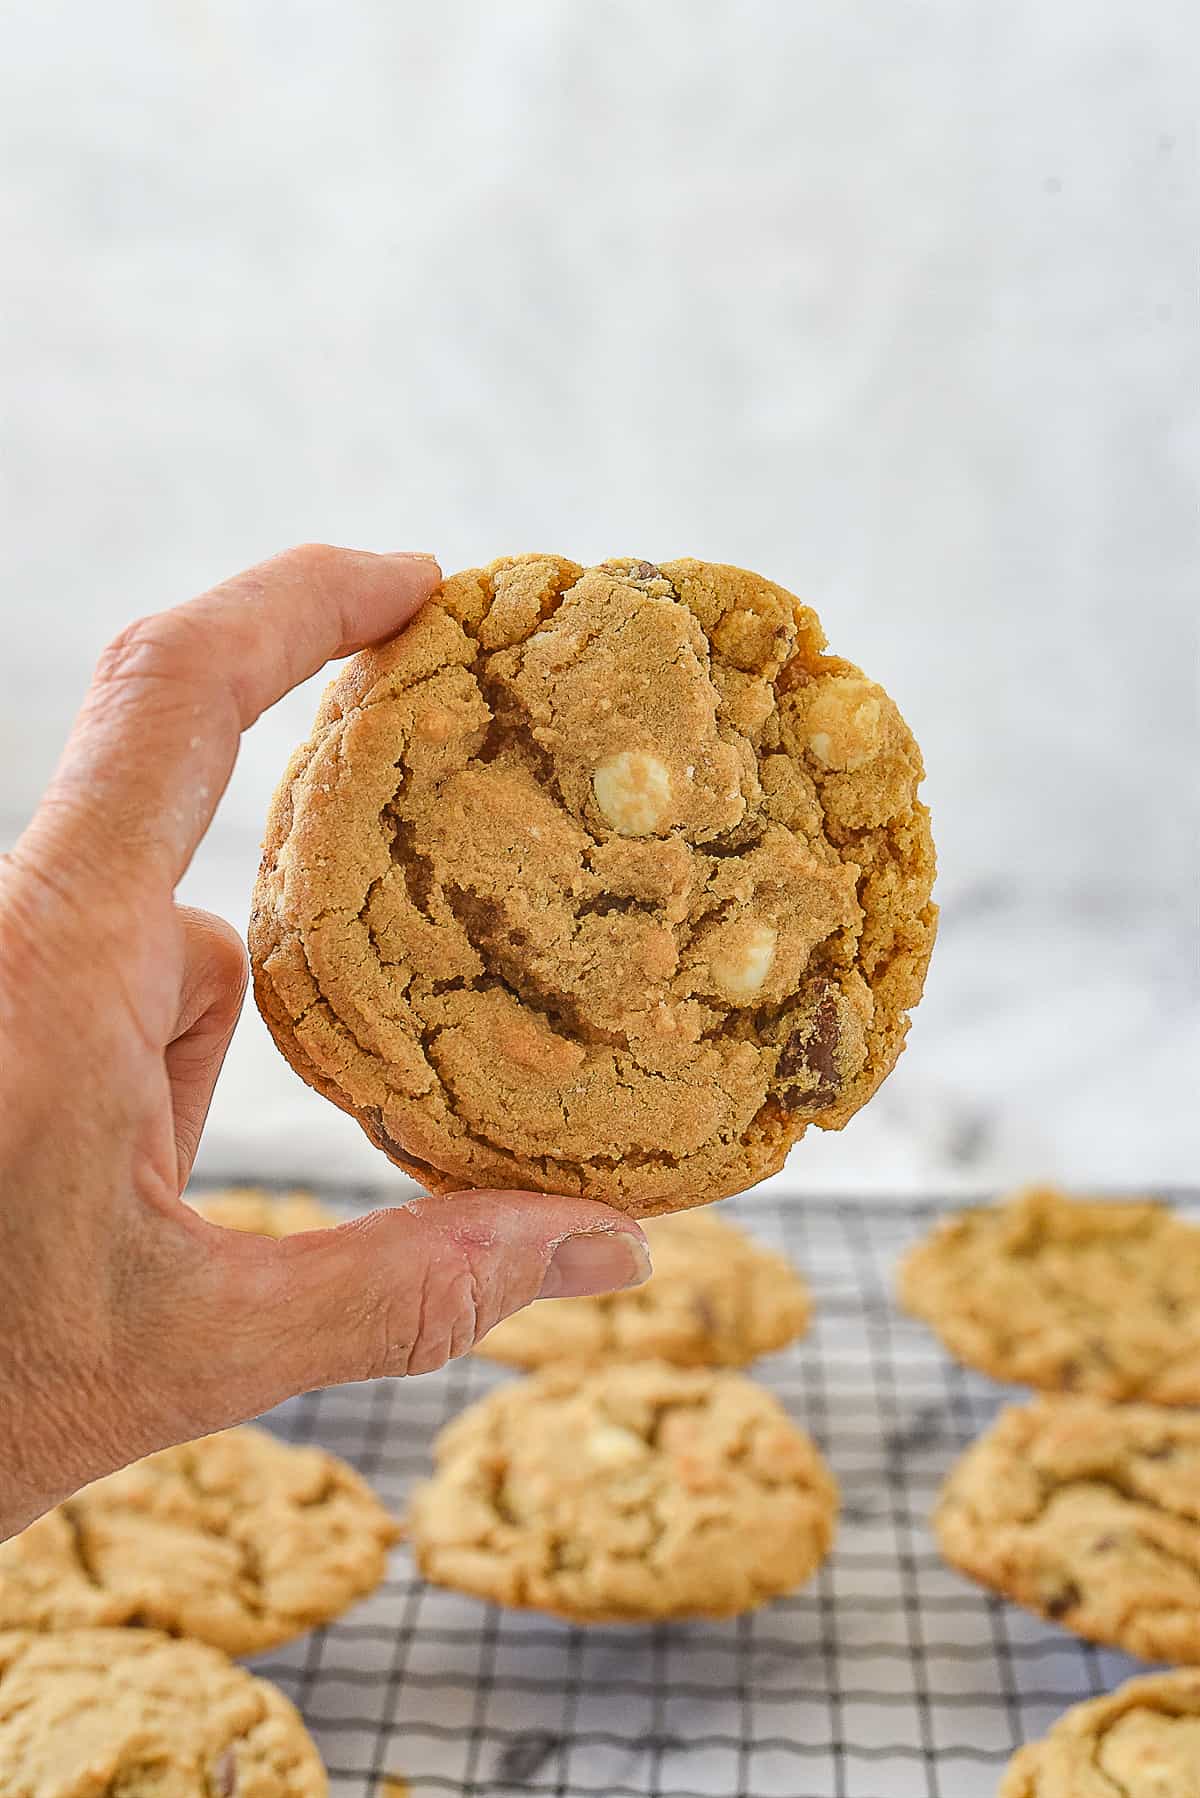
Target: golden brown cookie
<point x="1096" y="1295"/>
<point x="1141" y="1741"/>
<point x="600" y="881"/>
<point x="716" y="1298"/>
<point x="238" y="1539"/>
<point x="624" y="1495"/>
<point x="123" y="1713"/>
<point x="1088" y="1513"/>
<point x="262" y="1213"/>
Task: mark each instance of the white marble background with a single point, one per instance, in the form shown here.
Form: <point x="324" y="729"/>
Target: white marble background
<point x="894" y="302"/>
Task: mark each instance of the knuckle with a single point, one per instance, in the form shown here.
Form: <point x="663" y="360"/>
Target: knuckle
<point x="434" y="1322"/>
<point x="314" y="562"/>
<point x="387" y="1342"/>
<point x="235" y="963"/>
<point x="164" y="665"/>
<point x="237" y="978"/>
<point x="224" y="953"/>
<point x="449" y="1317"/>
<point x="146" y="648"/>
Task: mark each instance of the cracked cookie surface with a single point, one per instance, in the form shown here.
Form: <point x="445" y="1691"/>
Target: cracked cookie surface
<point x="624" y="1495"/>
<point x="1098" y="1295"/>
<point x="1141" y="1741"/>
<point x="122" y="1713"/>
<point x="600" y="881"/>
<point x="716" y="1298"/>
<point x="262" y="1213"/>
<point x="238" y="1539"/>
<point x="1088" y="1513"/>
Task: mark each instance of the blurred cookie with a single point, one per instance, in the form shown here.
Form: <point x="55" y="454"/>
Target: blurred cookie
<point x="1141" y="1741"/>
<point x="262" y="1213"/>
<point x="601" y="881"/>
<point x="625" y="1495"/>
<point x="125" y="1713"/>
<point x="716" y="1298"/>
<point x="1098" y="1295"/>
<point x="1088" y="1513"/>
<point x="239" y="1540"/>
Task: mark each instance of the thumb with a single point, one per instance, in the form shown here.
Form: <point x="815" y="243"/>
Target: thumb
<point x="401" y="1291"/>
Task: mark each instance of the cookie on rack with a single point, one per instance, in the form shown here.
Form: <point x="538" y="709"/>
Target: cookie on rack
<point x="137" y="1714"/>
<point x="628" y="1494"/>
<point x="603" y="881"/>
<point x="1141" y="1741"/>
<point x="716" y="1298"/>
<point x="1099" y="1295"/>
<point x="238" y="1539"/>
<point x="1088" y="1513"/>
<point x="262" y="1213"/>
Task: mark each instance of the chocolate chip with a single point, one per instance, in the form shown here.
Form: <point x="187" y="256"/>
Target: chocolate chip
<point x="1064" y="1600"/>
<point x="793" y="674"/>
<point x="812" y="1049"/>
<point x="225" y="1777"/>
<point x="1162" y="1451"/>
<point x="646" y="571"/>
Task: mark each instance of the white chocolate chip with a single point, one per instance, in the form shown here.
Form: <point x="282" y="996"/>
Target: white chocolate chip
<point x="633" y="790"/>
<point x="743" y="959"/>
<point x="845" y="723"/>
<point x="435" y="724"/>
<point x="611" y="1446"/>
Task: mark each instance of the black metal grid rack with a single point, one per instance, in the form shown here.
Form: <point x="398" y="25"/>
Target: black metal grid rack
<point x="887" y="1677"/>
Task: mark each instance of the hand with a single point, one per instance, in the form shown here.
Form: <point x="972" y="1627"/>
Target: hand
<point x="126" y="1321"/>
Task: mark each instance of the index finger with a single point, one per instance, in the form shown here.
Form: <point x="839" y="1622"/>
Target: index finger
<point x="155" y="742"/>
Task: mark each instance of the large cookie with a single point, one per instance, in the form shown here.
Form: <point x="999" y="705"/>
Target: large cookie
<point x="1098" y="1295"/>
<point x="1088" y="1513"/>
<point x="716" y="1298"/>
<point x="605" y="882"/>
<point x="238" y="1539"/>
<point x="1141" y="1741"/>
<point x="261" y="1213"/>
<point x="124" y="1713"/>
<point x="628" y="1494"/>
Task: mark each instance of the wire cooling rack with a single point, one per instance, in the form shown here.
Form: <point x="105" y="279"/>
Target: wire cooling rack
<point x="887" y="1677"/>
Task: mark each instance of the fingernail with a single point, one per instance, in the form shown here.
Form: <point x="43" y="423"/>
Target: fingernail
<point x="410" y="555"/>
<point x="604" y="1261"/>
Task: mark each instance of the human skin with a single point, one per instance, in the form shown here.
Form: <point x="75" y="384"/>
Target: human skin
<point x="128" y="1322"/>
